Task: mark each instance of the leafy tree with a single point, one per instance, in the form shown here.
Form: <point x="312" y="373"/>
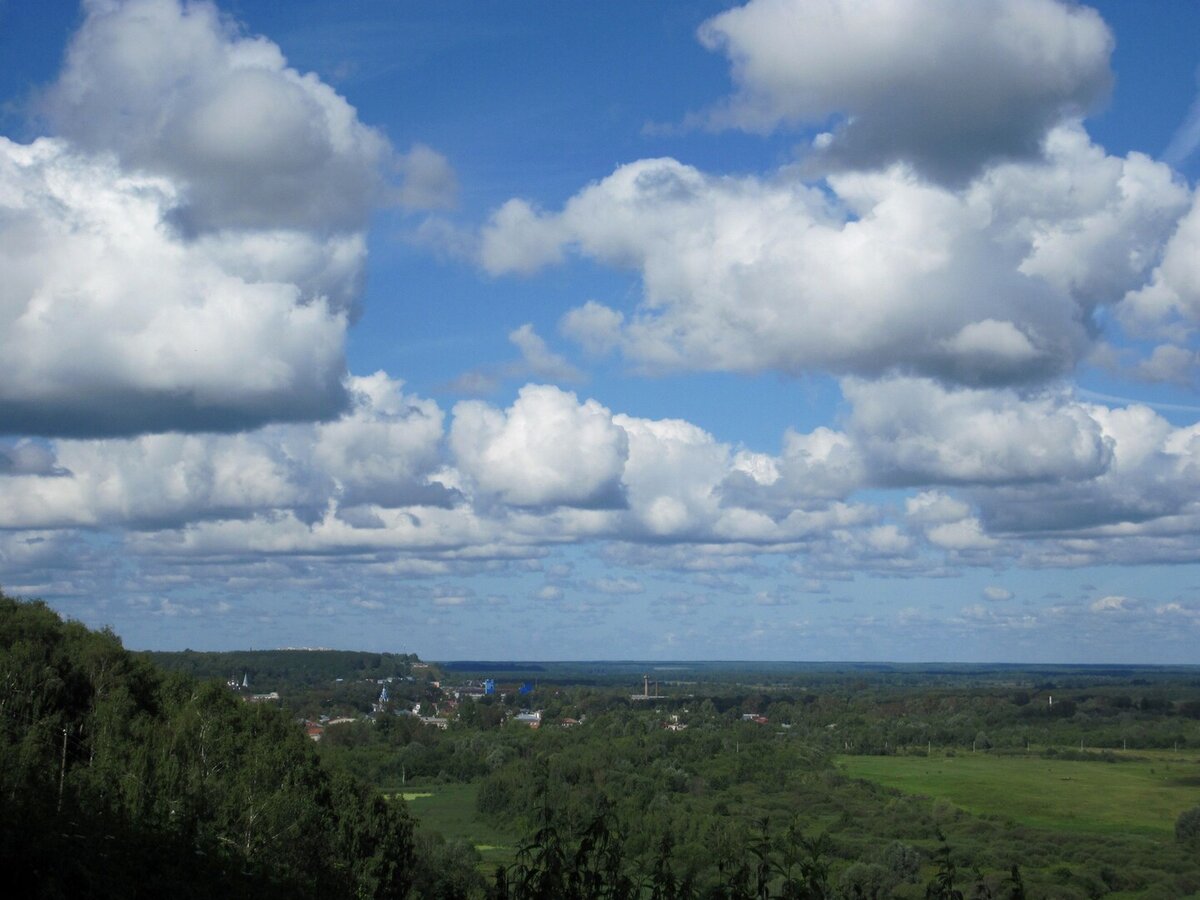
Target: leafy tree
<point x="941" y="886"/>
<point x="1187" y="827"/>
<point x="123" y="781"/>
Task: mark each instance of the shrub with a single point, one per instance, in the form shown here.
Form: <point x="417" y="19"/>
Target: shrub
<point x="903" y="861"/>
<point x="1187" y="827"/>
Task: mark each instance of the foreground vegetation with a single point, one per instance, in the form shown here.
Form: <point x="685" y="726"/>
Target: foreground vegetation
<point x="122" y="781"/>
<point x="752" y="781"/>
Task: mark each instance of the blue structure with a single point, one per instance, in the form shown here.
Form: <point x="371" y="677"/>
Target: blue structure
<point x="525" y="688"/>
<point x="489" y="686"/>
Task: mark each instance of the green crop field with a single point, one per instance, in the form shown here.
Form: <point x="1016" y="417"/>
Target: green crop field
<point x="450" y="810"/>
<point x="1133" y="796"/>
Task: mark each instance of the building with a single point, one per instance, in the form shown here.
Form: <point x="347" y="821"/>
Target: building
<point x="532" y="718"/>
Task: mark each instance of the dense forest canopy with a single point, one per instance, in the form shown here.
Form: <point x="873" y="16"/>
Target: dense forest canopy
<point x="121" y="780"/>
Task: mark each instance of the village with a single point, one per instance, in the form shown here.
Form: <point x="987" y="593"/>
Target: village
<point x="438" y="705"/>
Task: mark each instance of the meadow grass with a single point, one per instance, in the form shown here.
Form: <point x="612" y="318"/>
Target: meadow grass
<point x="450" y="810"/>
<point x="1133" y="796"/>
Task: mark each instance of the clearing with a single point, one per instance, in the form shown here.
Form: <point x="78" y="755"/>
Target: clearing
<point x="1132" y="796"/>
<point x="450" y="810"/>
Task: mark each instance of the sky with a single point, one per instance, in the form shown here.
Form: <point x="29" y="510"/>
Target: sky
<point x="851" y="330"/>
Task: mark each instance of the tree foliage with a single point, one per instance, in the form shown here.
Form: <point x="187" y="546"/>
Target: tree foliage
<point x="122" y="781"/>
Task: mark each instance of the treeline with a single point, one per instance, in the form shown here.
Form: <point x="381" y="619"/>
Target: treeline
<point x="592" y="864"/>
<point x="274" y="670"/>
<point x="120" y="780"/>
<point x="871" y="718"/>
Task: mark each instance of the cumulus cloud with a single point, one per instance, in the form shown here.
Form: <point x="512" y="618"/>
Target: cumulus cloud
<point x="914" y="431"/>
<point x="1169" y="363"/>
<point x="1170" y="304"/>
<point x="812" y="468"/>
<point x="996" y="282"/>
<point x="593" y="326"/>
<point x="110" y="324"/>
<point x="996" y="594"/>
<point x="1142" y="507"/>
<point x="944" y="86"/>
<point x="429" y="179"/>
<point x="671" y="478"/>
<point x="381" y="453"/>
<point x="546" y="449"/>
<point x="1094" y="224"/>
<point x="935" y="508"/>
<point x="178" y="90"/>
<point x="188" y="251"/>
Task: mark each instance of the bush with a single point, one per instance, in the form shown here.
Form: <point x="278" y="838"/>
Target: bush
<point x="866" y="880"/>
<point x="903" y="861"/>
<point x="1187" y="827"/>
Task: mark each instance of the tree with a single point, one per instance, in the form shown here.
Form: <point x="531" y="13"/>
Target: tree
<point x="1187" y="827"/>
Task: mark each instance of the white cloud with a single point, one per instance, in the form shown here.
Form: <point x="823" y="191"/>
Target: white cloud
<point x="381" y="453"/>
<point x="429" y="179"/>
<point x="593" y="326"/>
<point x="539" y="360"/>
<point x="1169" y="363"/>
<point x="188" y="251"/>
<point x="546" y="449"/>
<point x="1170" y="303"/>
<point x="915" y="432"/>
<point x="935" y="508"/>
<point x="616" y="586"/>
<point x="518" y="239"/>
<point x="798" y="487"/>
<point x="1094" y="225"/>
<point x="671" y="478"/>
<point x="996" y="594"/>
<point x="993" y="283"/>
<point x="178" y="90"/>
<point x="110" y="324"/>
<point x="383" y="485"/>
<point x="1114" y="603"/>
<point x="945" y="86"/>
<point x="382" y="450"/>
<point x="1150" y="482"/>
<point x="965" y="534"/>
<point x="550" y="593"/>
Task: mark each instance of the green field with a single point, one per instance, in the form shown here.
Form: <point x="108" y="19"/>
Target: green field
<point x="450" y="810"/>
<point x="1134" y="796"/>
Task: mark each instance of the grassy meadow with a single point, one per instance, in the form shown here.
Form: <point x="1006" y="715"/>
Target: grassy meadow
<point x="1139" y="794"/>
<point x="450" y="810"/>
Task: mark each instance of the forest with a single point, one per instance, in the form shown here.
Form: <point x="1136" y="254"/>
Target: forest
<point x="144" y="775"/>
<point x="121" y="780"/>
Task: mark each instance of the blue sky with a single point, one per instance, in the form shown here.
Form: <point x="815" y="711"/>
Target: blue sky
<point x="768" y="330"/>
